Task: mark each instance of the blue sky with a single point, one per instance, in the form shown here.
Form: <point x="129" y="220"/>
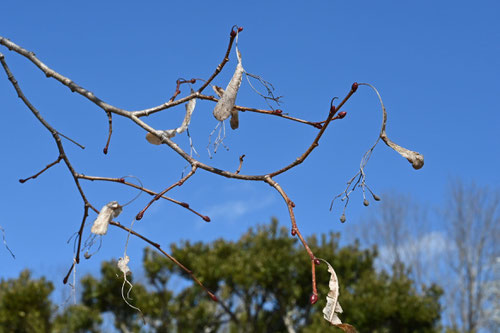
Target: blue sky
<point x="436" y="64"/>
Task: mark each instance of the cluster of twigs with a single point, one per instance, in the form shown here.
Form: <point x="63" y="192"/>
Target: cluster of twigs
<point x="138" y="116"/>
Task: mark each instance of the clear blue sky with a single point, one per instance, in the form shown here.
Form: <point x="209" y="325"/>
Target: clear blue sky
<point x="436" y="64"/>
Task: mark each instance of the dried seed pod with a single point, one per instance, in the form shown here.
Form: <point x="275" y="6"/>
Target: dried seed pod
<point x="416" y="159"/>
<point x="225" y="105"/>
<point x="107" y="213"/>
<point x="234" y="122"/>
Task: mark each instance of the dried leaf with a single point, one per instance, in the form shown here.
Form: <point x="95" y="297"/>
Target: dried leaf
<point x="190" y="105"/>
<point x="107" y="213"/>
<point x="225" y="105"/>
<point x="333" y="307"/>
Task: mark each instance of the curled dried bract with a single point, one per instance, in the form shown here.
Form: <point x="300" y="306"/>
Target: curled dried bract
<point x="190" y="105"/>
<point x="235" y="123"/>
<point x="225" y="105"/>
<point x="107" y="213"/>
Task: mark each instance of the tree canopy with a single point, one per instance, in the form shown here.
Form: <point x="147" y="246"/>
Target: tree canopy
<point x="260" y="278"/>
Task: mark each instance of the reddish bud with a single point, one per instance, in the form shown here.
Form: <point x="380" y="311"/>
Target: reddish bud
<point x="139" y="216"/>
<point x="233" y="33"/>
<point x="22" y="181"/>
<point x="341" y="115"/>
<point x="193" y="80"/>
<point x="184" y="204"/>
<point x="240" y="29"/>
<point x="354" y="87"/>
<point x="206" y="218"/>
<point x="333" y="109"/>
<point x="121" y="180"/>
<point x="105" y="150"/>
<point x="213" y="297"/>
<point x="293" y="232"/>
<point x="317" y="261"/>
<point x="292" y="204"/>
<point x="317" y="125"/>
<point x="278" y="111"/>
<point x="65" y="280"/>
<point x="313" y="299"/>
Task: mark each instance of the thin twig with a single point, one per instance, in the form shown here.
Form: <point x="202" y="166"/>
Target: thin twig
<point x="5" y="243"/>
<point x="110" y="131"/>
<point x="241" y="163"/>
<point x="295" y="229"/>
<point x="48" y="166"/>
<point x="331" y="116"/>
<point x="55" y="135"/>
<point x="148" y="191"/>
<point x="159" y="195"/>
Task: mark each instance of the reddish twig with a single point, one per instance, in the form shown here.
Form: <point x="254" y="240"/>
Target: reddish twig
<point x="145" y="190"/>
<point x="177" y="87"/>
<point x="241" y="163"/>
<point x="222" y="63"/>
<point x="159" y="195"/>
<point x="59" y="158"/>
<point x="277" y="112"/>
<point x="176" y="262"/>
<point x="110" y="130"/>
<point x="295" y="229"/>
<point x="315" y="143"/>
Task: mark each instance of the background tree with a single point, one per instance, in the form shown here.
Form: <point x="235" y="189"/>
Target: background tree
<point x="462" y="256"/>
<point x="472" y="218"/>
<point x="260" y="278"/>
<point x="25" y="304"/>
<point x="26" y="307"/>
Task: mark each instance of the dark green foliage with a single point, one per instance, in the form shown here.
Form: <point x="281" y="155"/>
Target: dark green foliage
<point x="264" y="280"/>
<point x="25" y="305"/>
